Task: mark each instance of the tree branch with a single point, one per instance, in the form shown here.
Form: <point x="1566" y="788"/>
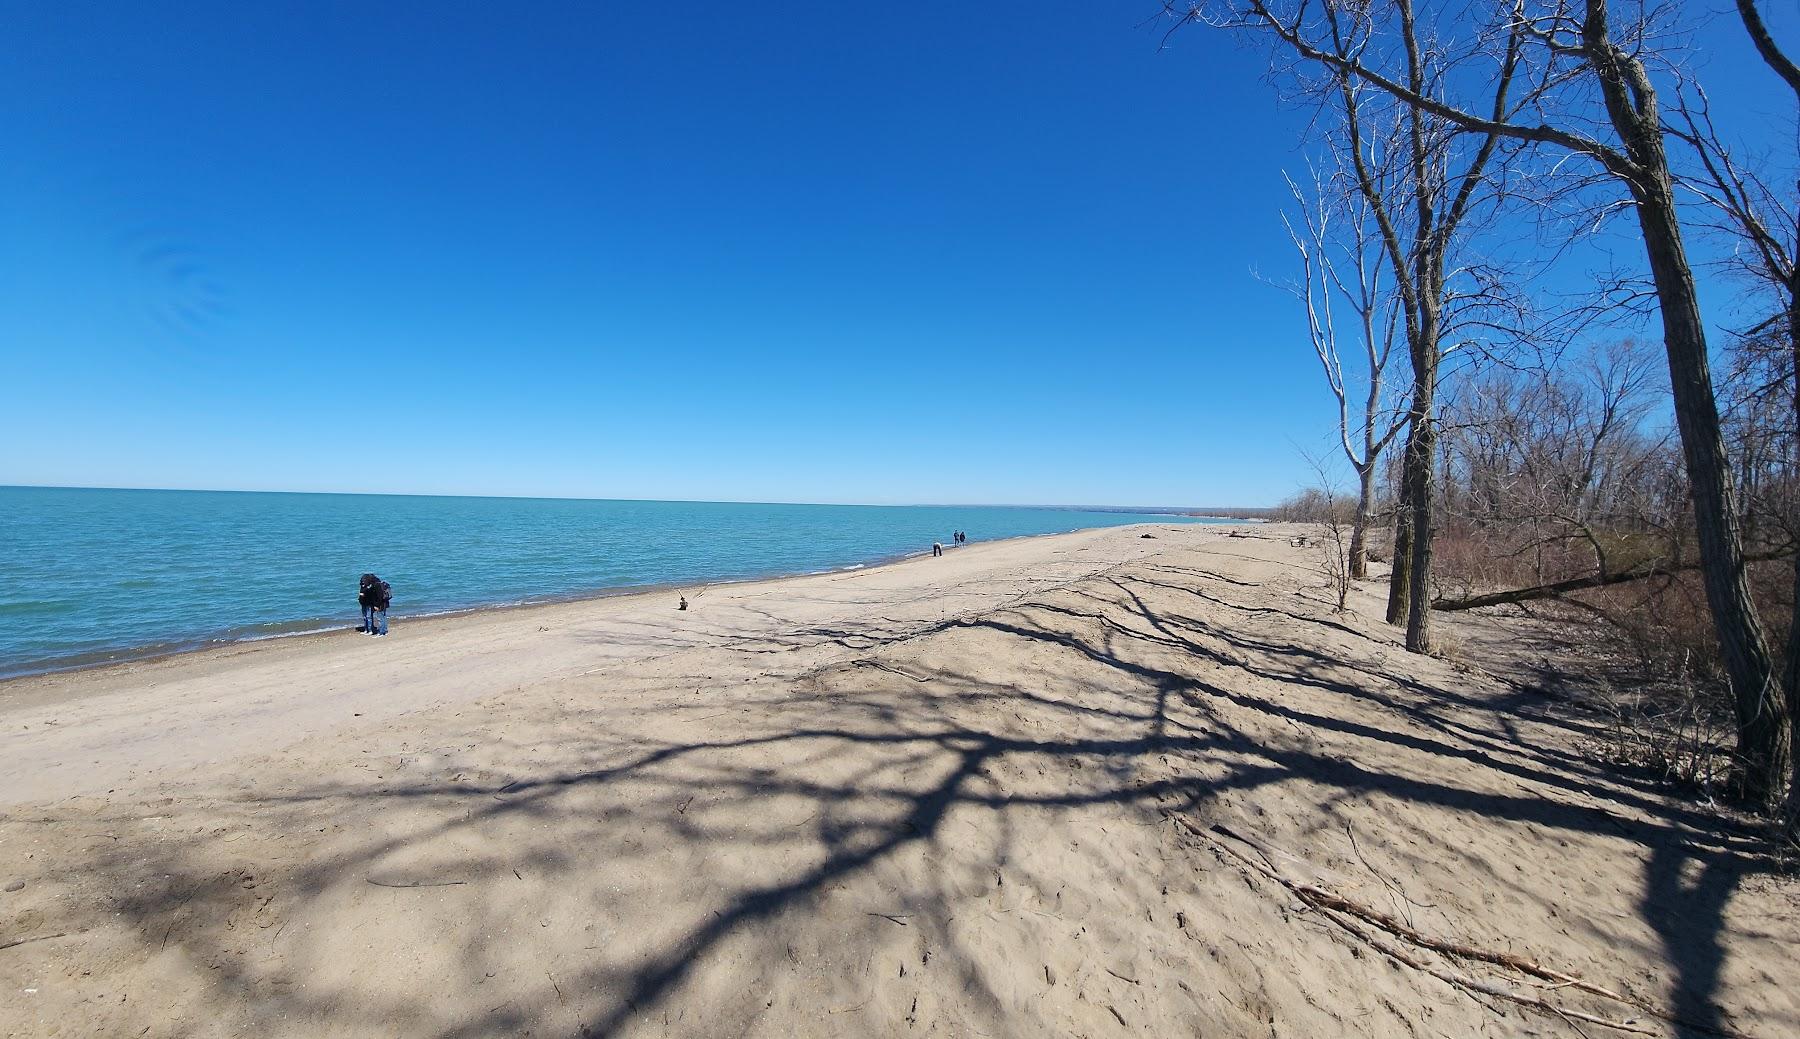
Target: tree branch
<point x="1557" y="589"/>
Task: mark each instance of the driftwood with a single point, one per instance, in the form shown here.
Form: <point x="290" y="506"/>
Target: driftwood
<point x="27" y="941"/>
<point x="1555" y="589"/>
<point x="1350" y="916"/>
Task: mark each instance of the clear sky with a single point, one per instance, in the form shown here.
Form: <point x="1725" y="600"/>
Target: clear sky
<point x="926" y="252"/>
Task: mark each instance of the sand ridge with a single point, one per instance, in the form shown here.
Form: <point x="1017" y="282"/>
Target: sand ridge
<point x="949" y="797"/>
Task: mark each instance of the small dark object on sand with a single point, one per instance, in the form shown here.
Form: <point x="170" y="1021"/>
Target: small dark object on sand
<point x="1152" y="536"/>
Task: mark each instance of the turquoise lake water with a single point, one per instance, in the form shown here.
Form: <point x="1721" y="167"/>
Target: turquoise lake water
<point x="94" y="575"/>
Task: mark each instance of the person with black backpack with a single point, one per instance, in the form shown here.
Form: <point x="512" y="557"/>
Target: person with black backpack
<point x="373" y="595"/>
<point x="384" y="594"/>
<point x="364" y="600"/>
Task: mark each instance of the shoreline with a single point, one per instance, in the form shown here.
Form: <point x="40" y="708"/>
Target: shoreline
<point x="315" y="629"/>
<point x="127" y="723"/>
<point x="323" y="627"/>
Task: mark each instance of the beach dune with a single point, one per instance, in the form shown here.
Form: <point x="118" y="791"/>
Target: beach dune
<point x="1070" y="785"/>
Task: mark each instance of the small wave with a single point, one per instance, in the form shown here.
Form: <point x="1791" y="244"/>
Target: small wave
<point x="228" y="639"/>
<point x="38" y="606"/>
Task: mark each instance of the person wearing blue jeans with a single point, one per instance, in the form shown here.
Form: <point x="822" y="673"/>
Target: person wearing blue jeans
<point x="380" y="597"/>
<point x="365" y="597"/>
<point x="373" y="595"/>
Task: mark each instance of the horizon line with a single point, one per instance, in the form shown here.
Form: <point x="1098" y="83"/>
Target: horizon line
<point x="1172" y="509"/>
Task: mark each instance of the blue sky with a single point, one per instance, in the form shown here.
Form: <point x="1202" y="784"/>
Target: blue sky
<point x="801" y="252"/>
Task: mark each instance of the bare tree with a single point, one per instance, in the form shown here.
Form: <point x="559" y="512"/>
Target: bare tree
<point x="1752" y="206"/>
<point x="1342" y="273"/>
<point x="1422" y="178"/>
<point x="1560" y="469"/>
<point x="1592" y="97"/>
<point x="1556" y="430"/>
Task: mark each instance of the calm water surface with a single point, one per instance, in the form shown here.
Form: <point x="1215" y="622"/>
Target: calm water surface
<point x="93" y="575"/>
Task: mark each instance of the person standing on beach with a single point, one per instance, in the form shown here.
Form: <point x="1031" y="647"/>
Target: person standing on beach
<point x="373" y="595"/>
<point x="937" y="549"/>
<point x="382" y="595"/>
<point x="366" y="599"/>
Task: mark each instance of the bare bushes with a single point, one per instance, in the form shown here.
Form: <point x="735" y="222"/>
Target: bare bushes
<point x="1336" y="516"/>
<point x="1314" y="505"/>
<point x="1335" y="560"/>
<point x="1647" y="647"/>
<point x="1570" y="477"/>
<point x="1673" y="734"/>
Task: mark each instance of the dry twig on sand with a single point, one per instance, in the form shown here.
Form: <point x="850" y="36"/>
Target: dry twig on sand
<point x="28" y="941"/>
<point x="416" y="883"/>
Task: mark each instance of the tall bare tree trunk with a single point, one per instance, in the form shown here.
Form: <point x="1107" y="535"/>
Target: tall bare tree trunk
<point x="1400" y="578"/>
<point x="1359" y="526"/>
<point x="1784" y="66"/>
<point x="1631" y="107"/>
<point x="1762" y="732"/>
<point x="1417" y="478"/>
<point x="1790" y="679"/>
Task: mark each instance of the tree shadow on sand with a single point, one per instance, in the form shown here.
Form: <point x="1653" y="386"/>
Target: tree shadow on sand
<point x="912" y="769"/>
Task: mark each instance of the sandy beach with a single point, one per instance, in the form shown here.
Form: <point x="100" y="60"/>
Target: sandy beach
<point x="1092" y="784"/>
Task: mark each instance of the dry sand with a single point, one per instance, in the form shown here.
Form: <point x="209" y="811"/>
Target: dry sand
<point x="1041" y="787"/>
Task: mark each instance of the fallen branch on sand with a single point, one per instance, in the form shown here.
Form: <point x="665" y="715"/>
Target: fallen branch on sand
<point x="890" y="669"/>
<point x="416" y="883"/>
<point x="1348" y="915"/>
<point x="27" y="941"/>
<point x="1556" y="589"/>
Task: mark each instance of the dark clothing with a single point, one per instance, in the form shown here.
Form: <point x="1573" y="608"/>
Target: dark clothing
<point x="374" y="596"/>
